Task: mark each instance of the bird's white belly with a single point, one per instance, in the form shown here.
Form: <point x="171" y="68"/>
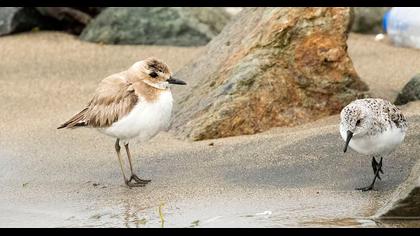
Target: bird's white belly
<point x="380" y="144"/>
<point x="145" y="120"/>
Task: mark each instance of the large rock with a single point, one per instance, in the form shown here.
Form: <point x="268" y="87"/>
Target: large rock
<point x="410" y="92"/>
<point x="18" y="19"/>
<point x="368" y="20"/>
<point x="269" y="67"/>
<point x="70" y="19"/>
<point x="180" y="26"/>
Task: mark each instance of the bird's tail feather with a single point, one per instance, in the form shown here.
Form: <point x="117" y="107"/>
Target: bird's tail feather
<point x="76" y="121"/>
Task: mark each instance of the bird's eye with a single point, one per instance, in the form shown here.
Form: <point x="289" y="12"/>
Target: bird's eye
<point x="153" y="74"/>
<point x="357" y="122"/>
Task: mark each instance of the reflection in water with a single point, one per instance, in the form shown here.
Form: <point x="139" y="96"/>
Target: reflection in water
<point x="129" y="214"/>
<point x="135" y="216"/>
<point x="126" y="214"/>
<point x="162" y="220"/>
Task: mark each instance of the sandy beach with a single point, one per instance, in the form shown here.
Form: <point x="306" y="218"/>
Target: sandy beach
<point x="285" y="177"/>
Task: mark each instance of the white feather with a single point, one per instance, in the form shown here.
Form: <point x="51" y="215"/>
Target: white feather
<point x="380" y="144"/>
<point x="145" y="120"/>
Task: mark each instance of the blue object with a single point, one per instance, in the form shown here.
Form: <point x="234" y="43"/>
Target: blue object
<point x="385" y="21"/>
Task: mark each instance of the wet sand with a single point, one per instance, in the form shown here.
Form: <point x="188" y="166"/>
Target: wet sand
<point x="284" y="177"/>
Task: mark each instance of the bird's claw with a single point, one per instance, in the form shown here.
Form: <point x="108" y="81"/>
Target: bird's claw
<point x="138" y="180"/>
<point x="130" y="184"/>
<point x="364" y="189"/>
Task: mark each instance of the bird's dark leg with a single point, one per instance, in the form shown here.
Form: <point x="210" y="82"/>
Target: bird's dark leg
<point x="377" y="167"/>
<point x="126" y="181"/>
<point x="133" y="176"/>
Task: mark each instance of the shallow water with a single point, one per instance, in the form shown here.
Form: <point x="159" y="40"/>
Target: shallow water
<point x="296" y="210"/>
<point x="150" y="218"/>
<point x="303" y="207"/>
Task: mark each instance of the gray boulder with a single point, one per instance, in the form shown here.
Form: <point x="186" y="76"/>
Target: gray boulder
<point x="18" y="19"/>
<point x="180" y="26"/>
<point x="410" y="92"/>
<point x="368" y="20"/>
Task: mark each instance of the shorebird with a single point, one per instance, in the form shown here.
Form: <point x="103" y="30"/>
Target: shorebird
<point x="373" y="127"/>
<point x="135" y="103"/>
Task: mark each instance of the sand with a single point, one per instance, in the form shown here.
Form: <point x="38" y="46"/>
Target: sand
<point x="280" y="178"/>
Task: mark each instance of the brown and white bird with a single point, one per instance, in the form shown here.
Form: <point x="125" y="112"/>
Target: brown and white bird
<point x="135" y="103"/>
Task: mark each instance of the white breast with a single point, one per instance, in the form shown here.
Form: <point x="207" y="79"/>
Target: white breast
<point x="380" y="144"/>
<point x="145" y="120"/>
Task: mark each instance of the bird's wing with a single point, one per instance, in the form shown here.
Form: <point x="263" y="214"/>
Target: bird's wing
<point x="396" y="116"/>
<point x="113" y="99"/>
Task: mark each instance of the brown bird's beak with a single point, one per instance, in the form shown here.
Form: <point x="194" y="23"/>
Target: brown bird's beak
<point x="349" y="136"/>
<point x="172" y="80"/>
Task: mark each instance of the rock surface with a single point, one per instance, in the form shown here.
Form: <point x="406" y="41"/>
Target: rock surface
<point x="180" y="26"/>
<point x="269" y="67"/>
<point x="233" y="10"/>
<point x="18" y="19"/>
<point x="406" y="200"/>
<point x="410" y="92"/>
<point x="368" y="20"/>
<point x="70" y="19"/>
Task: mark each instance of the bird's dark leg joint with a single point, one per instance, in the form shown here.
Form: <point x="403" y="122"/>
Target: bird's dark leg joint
<point x="377" y="167"/>
<point x="380" y="166"/>
<point x="374" y="164"/>
<point x="117" y="145"/>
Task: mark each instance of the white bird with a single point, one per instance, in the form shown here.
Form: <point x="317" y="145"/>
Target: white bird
<point x="136" y="103"/>
<point x="373" y="127"/>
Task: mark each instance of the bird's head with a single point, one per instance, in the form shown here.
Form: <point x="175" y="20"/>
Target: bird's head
<point x="156" y="73"/>
<point x="355" y="120"/>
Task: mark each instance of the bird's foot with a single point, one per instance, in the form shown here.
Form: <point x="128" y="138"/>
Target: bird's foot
<point x="138" y="180"/>
<point x="131" y="184"/>
<point x="364" y="189"/>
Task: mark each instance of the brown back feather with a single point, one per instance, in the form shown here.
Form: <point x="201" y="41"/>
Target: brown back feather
<point x="113" y="99"/>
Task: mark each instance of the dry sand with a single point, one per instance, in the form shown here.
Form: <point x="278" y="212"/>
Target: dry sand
<point x="283" y="177"/>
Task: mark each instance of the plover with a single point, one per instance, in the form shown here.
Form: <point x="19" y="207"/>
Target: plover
<point x="372" y="127"/>
<point x="135" y="103"/>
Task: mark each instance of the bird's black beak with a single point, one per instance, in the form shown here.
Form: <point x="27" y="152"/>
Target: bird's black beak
<point x="171" y="80"/>
<point x="349" y="136"/>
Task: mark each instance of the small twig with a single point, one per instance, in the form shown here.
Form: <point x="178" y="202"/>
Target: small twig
<point x="162" y="220"/>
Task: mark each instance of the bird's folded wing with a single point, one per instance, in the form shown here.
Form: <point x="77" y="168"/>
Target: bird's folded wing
<point x="397" y="117"/>
<point x="113" y="99"/>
